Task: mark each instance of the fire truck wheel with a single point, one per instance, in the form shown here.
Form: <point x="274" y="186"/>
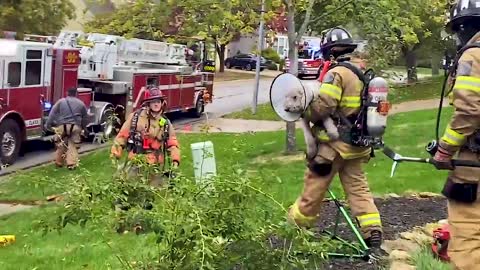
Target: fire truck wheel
<point x="199" y="108"/>
<point x="109" y="127"/>
<point x="10" y="138"/>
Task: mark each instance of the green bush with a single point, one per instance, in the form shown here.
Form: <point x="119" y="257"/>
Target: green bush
<point x="225" y="223"/>
<point x="271" y="54"/>
<point x="272" y="66"/>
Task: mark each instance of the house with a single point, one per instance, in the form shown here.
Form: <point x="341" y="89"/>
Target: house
<point x="276" y="38"/>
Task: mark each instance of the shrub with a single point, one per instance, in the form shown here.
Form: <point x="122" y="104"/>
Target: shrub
<point x="271" y="54"/>
<point x="225" y="223"/>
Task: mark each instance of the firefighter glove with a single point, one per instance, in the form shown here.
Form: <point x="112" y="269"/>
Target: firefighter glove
<point x="442" y="160"/>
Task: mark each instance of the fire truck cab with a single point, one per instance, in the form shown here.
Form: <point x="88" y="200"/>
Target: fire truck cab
<point x="111" y="74"/>
<point x="310" y="59"/>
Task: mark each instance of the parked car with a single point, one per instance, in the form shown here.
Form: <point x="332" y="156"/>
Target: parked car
<point x="245" y="61"/>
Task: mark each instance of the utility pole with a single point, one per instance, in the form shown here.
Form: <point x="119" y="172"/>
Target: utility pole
<point x="259" y="57"/>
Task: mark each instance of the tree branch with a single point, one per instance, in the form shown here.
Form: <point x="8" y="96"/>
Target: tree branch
<point x="304" y="26"/>
<point x="333" y="11"/>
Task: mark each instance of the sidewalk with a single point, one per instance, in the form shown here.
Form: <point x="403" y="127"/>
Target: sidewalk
<point x="227" y="125"/>
<point x="266" y="72"/>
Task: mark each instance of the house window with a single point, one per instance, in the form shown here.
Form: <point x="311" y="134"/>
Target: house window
<point x="14" y="74"/>
<point x="33" y="74"/>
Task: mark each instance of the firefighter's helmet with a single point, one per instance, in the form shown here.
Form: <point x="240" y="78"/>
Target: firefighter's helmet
<point x="153" y="93"/>
<point x="461" y="12"/>
<point x="340" y="38"/>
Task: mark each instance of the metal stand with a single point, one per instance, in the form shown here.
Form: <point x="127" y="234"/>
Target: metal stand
<point x="362" y="251"/>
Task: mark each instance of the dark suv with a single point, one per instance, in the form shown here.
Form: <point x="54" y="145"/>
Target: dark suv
<point x="245" y="61"/>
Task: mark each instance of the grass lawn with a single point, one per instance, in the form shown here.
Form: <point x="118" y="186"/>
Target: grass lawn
<point x="424" y="261"/>
<point x="257" y="154"/>
<point x="424" y="90"/>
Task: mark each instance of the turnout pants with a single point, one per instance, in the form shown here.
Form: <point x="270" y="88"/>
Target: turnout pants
<point x="464" y="219"/>
<point x="305" y="211"/>
<point x="67" y="140"/>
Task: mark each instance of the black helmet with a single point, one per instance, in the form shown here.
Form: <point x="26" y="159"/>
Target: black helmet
<point x="337" y="37"/>
<point x="463" y="11"/>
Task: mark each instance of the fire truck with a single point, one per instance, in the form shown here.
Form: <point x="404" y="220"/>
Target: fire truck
<point x="110" y="72"/>
<point x="310" y="58"/>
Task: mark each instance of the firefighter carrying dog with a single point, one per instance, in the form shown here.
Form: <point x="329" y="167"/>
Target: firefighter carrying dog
<point x="339" y="97"/>
<point x="149" y="133"/>
<point x="462" y="136"/>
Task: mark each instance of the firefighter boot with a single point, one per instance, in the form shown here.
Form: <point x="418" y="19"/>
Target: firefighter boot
<point x="375" y="239"/>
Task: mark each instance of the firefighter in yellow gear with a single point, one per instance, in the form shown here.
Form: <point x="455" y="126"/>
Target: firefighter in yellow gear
<point x="340" y="92"/>
<point x="462" y="137"/>
<point x="149" y="133"/>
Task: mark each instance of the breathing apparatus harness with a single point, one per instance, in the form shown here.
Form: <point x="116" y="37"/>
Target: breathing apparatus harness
<point x="356" y="133"/>
<point x="139" y="144"/>
<point x="432" y="147"/>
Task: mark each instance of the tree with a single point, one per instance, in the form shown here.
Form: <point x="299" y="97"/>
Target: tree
<point x="46" y="17"/>
<point x="426" y="21"/>
<point x="222" y="21"/>
<point x="144" y="19"/>
<point x="217" y="21"/>
<point x="392" y="28"/>
<point x="294" y="37"/>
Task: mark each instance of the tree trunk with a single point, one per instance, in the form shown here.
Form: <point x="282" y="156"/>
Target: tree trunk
<point x="411" y="60"/>
<point x="293" y="69"/>
<point x="221" y="56"/>
<point x="435" y="65"/>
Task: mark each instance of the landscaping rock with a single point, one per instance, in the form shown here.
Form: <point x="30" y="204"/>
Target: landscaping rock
<point x="429" y="228"/>
<point x="399" y="255"/>
<point x="428" y="195"/>
<point x="392" y="195"/>
<point x="398" y="265"/>
<point x="418" y="236"/>
<point x="400" y="245"/>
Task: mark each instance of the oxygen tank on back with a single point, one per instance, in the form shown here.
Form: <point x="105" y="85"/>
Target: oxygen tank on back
<point x="377" y="107"/>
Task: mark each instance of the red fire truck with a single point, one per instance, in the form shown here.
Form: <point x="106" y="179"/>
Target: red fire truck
<point x="310" y="58"/>
<point x="111" y="73"/>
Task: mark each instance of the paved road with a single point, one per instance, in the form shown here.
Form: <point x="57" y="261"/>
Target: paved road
<point x="229" y="97"/>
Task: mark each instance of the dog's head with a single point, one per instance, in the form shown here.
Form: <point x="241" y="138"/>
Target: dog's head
<point x="295" y="101"/>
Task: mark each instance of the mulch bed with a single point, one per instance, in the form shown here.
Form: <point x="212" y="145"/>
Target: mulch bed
<point x="398" y="215"/>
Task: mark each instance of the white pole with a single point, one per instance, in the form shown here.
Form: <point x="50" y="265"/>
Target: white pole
<point x="259" y="55"/>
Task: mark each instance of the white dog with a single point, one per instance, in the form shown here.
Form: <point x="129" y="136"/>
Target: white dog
<point x="295" y="103"/>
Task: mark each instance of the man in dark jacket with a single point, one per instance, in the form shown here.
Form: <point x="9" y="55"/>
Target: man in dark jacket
<point x="68" y="118"/>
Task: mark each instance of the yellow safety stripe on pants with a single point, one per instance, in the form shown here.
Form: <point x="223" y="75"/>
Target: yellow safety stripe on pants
<point x="331" y="90"/>
<point x="299" y="217"/>
<point x="353" y="155"/>
<point x="467" y="83"/>
<point x="453" y="138"/>
<point x="369" y="220"/>
<point x="350" y="102"/>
